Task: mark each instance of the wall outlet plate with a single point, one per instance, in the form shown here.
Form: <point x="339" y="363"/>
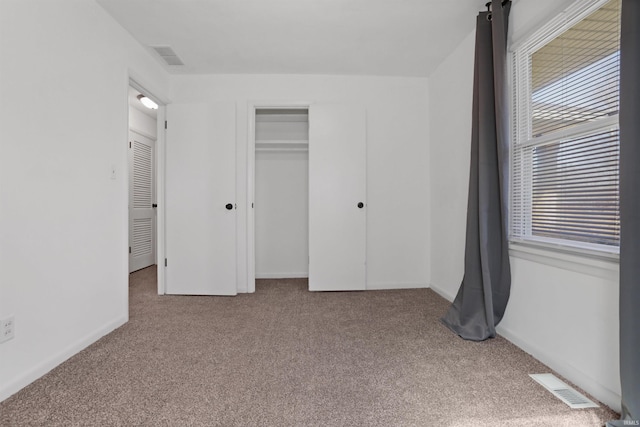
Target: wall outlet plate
<point x="7" y="328"/>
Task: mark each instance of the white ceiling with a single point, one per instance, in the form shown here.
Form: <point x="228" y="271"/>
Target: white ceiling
<point x="353" y="37"/>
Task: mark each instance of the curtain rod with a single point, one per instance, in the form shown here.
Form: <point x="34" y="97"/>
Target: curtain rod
<point x="488" y="5"/>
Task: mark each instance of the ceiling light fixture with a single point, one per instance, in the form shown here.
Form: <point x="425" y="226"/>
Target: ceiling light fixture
<point x="147" y="102"/>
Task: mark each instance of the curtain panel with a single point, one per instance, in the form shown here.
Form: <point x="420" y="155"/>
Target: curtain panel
<point x="630" y="209"/>
<point x="484" y="292"/>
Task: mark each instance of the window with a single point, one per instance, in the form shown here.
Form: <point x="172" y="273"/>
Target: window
<point x="565" y="152"/>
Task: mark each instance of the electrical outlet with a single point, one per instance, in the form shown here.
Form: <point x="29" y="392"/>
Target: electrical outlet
<point x="7" y="329"/>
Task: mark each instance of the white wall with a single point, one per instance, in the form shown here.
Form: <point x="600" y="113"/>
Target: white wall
<point x="567" y="317"/>
<point x="528" y="15"/>
<point x="142" y="123"/>
<point x="63" y="220"/>
<point x="398" y="178"/>
<point x="282" y="214"/>
<point x="450" y="91"/>
<point x="562" y="311"/>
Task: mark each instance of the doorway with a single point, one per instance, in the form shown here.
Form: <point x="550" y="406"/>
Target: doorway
<point x="281" y="199"/>
<point x="142" y="180"/>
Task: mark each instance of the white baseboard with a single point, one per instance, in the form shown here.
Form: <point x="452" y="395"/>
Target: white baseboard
<point x="581" y="379"/>
<point x="395" y="285"/>
<point x="282" y="275"/>
<point x="444" y="294"/>
<point x="15" y="385"/>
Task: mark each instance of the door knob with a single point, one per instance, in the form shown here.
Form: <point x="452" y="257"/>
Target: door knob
<point x="361" y="205"/>
<point x="229" y="206"/>
<point x="155" y="205"/>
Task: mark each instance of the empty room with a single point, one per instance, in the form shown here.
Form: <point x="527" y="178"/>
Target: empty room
<point x="319" y="213"/>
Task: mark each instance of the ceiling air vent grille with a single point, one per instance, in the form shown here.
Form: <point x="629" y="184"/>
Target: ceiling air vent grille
<point x="168" y="55"/>
<point x="563" y="392"/>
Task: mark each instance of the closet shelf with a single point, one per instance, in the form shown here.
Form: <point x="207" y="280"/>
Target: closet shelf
<point x="282" y="145"/>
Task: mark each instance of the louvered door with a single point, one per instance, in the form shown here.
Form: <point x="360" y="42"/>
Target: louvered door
<point x="141" y="199"/>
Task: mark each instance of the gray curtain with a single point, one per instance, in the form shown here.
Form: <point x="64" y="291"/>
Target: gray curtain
<point x="484" y="292"/>
<point x="630" y="209"/>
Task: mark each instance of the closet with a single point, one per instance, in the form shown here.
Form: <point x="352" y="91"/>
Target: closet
<point x="281" y="206"/>
<point x="305" y="198"/>
<point x="328" y="143"/>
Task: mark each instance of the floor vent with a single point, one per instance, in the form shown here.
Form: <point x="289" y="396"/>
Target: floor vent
<point x="563" y="392"/>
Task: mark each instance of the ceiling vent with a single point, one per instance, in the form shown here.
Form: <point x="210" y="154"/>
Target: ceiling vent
<point x="168" y="55"/>
<point x="563" y="392"/>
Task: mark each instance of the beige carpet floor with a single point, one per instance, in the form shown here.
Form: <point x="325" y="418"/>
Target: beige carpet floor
<point x="288" y="357"/>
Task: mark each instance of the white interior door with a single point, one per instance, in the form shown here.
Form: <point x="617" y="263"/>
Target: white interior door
<point x="337" y="205"/>
<point x="200" y="199"/>
<point x="142" y="216"/>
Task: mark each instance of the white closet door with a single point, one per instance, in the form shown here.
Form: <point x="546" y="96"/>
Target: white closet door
<point x="337" y="205"/>
<point x="200" y="199"/>
<point x="141" y="197"/>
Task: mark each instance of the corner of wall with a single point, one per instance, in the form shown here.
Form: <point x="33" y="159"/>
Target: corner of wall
<point x="46" y="365"/>
<point x="443" y="293"/>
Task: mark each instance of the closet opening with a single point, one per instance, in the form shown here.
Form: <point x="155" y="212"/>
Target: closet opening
<point x="281" y="193"/>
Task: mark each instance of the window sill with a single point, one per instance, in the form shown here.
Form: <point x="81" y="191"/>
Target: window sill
<point x="603" y="265"/>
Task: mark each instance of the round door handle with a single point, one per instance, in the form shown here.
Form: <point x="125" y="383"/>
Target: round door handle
<point x="360" y="205"/>
<point x="229" y="206"/>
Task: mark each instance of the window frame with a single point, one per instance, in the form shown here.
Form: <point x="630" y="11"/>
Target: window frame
<point x="532" y="247"/>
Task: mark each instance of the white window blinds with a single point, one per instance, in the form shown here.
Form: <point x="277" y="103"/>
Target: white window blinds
<point x="566" y="150"/>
